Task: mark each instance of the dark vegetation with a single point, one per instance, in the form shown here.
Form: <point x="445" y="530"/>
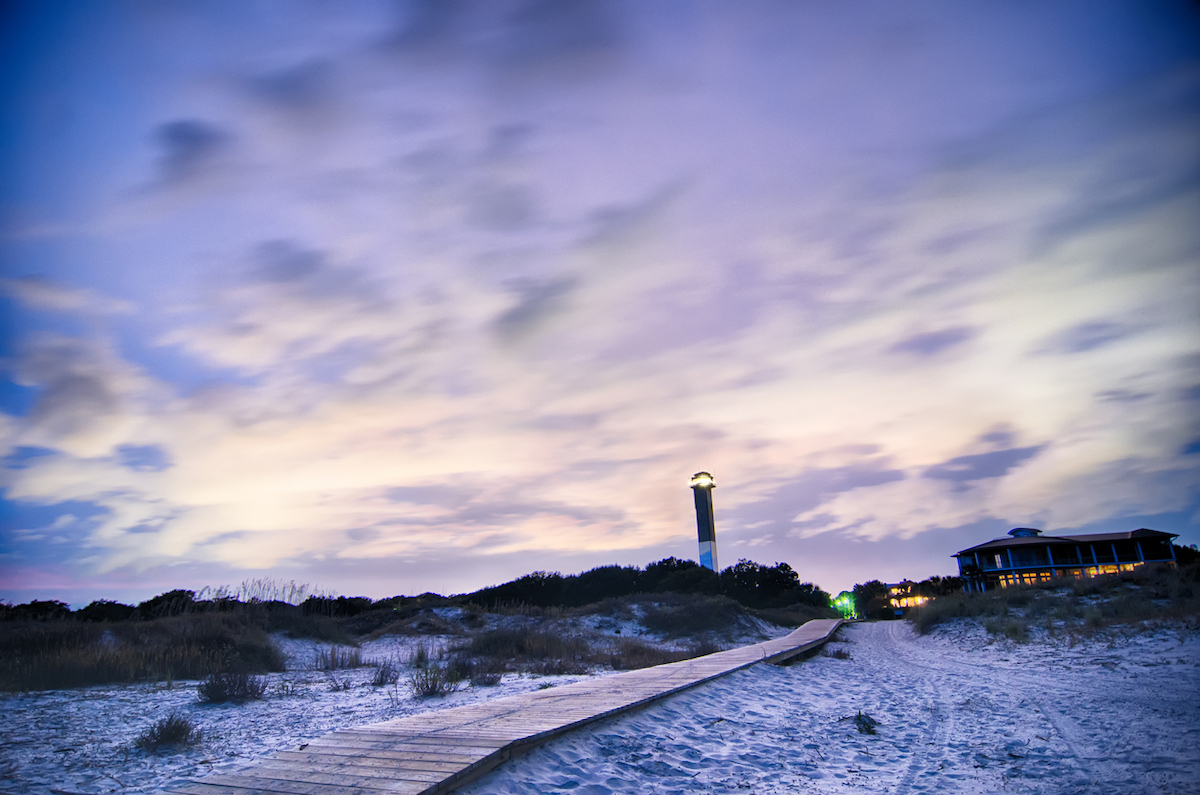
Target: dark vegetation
<point x="175" y="635"/>
<point x="1073" y="607"/>
<point x="871" y="598"/>
<point x="173" y="731"/>
<point x="750" y="584"/>
<point x="231" y="687"/>
<point x="41" y="655"/>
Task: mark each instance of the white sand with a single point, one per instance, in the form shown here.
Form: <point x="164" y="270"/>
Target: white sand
<point x="957" y="713"/>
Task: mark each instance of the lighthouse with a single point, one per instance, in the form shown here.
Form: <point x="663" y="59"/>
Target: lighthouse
<point x="702" y="486"/>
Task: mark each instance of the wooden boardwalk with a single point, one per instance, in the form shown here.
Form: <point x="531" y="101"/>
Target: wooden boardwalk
<point x="439" y="751"/>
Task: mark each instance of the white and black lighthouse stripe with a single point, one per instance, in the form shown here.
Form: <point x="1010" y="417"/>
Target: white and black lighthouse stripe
<point x="702" y="485"/>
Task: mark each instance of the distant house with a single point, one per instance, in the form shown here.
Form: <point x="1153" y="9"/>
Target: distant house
<point x="903" y="595"/>
<point x="1028" y="557"/>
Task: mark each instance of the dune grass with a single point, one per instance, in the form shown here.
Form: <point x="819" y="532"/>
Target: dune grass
<point x="56" y="655"/>
<point x="1076" y="606"/>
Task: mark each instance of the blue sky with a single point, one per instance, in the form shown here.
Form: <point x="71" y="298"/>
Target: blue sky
<point x="402" y="296"/>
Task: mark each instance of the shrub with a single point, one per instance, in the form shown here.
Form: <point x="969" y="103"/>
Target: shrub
<point x="338" y="685"/>
<point x="171" y="603"/>
<point x="106" y="610"/>
<point x="231" y="687"/>
<point x="432" y="680"/>
<point x="387" y="672"/>
<point x="295" y="623"/>
<point x="681" y="616"/>
<point x="420" y="656"/>
<point x="485" y="673"/>
<point x="174" y="730"/>
<point x="865" y="723"/>
<point x="838" y="654"/>
<point x="560" y="667"/>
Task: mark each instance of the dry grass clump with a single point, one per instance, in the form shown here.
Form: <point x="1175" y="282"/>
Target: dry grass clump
<point x="173" y="731"/>
<point x="1076" y="606"/>
<point x="231" y="687"/>
<point x="336" y="658"/>
<point x="387" y="672"/>
<point x="525" y="645"/>
<point x="434" y="680"/>
<point x="631" y="654"/>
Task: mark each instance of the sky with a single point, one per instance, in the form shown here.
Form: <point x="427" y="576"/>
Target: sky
<point x="394" y="297"/>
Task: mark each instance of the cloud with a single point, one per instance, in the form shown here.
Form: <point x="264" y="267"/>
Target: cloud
<point x="302" y="88"/>
<point x="805" y="493"/>
<point x="536" y="303"/>
<point x="190" y="147"/>
<point x="39" y="292"/>
<point x="932" y="343"/>
<point x="144" y="458"/>
<point x="968" y="468"/>
<point x="1089" y="336"/>
<point x="82" y="400"/>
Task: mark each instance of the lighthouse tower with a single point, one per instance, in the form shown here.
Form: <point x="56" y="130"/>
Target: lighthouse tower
<point x="702" y="486"/>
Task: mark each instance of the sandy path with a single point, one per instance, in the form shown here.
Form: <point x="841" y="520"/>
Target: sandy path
<point x="957" y="715"/>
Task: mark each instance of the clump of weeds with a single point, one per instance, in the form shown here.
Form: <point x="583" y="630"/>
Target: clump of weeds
<point x="865" y="723"/>
<point x="433" y="680"/>
<point x="386" y="673"/>
<point x="231" y="687"/>
<point x="173" y="731"/>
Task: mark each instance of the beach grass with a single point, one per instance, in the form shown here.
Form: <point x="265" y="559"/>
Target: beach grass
<point x="1080" y="606"/>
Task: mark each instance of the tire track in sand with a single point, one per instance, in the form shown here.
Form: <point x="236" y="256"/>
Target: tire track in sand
<point x="928" y="752"/>
<point x="1085" y="762"/>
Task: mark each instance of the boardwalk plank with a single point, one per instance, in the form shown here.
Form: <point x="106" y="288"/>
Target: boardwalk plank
<point x="269" y="785"/>
<point x="379" y="756"/>
<point x="313" y="773"/>
<point x="381" y="767"/>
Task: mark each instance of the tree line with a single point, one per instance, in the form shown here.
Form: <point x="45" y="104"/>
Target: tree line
<point x="752" y="584"/>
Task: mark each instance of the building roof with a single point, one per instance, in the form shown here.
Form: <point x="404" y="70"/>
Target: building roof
<point x="1025" y="541"/>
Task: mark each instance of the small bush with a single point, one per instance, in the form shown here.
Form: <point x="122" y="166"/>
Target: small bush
<point x="386" y="673"/>
<point x="231" y="687"/>
<point x="420" y="656"/>
<point x="174" y="730"/>
<point x="865" y="723"/>
<point x="560" y="667"/>
<point x="288" y="688"/>
<point x="837" y="654"/>
<point x="433" y="680"/>
<point x="338" y="685"/>
<point x="486" y="673"/>
<point x="337" y="658"/>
